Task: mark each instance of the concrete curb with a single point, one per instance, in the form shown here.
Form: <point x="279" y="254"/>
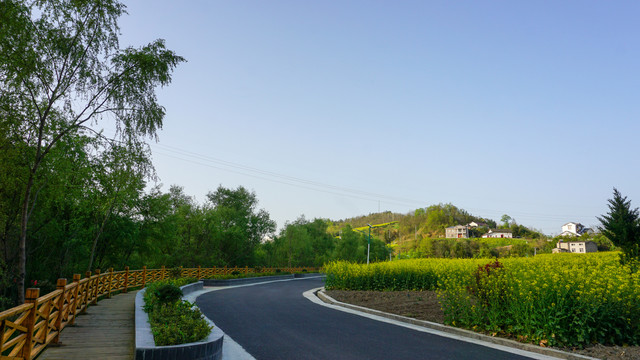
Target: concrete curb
<point x="254" y="280"/>
<point x="456" y="331"/>
<point x="208" y="349"/>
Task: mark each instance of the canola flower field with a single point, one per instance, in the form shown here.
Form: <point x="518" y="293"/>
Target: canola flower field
<point x="550" y="300"/>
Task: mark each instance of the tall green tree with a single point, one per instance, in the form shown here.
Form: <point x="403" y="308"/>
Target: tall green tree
<point x="236" y="224"/>
<point x="62" y="72"/>
<point x="621" y="225"/>
<point x="350" y="246"/>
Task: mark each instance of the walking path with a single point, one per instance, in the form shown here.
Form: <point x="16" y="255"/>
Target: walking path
<point x="105" y="332"/>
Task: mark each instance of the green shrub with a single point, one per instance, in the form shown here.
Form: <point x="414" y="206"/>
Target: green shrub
<point x="150" y="295"/>
<point x="178" y="323"/>
<point x="168" y="293"/>
<point x="173" y="321"/>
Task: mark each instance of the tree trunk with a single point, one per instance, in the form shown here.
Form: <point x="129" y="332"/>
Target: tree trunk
<point x="95" y="240"/>
<point x="22" y="256"/>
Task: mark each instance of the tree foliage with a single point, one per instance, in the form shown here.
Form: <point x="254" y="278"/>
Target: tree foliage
<point x="63" y="72"/>
<point x="621" y="225"/>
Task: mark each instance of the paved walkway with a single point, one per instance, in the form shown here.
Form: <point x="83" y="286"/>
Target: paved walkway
<point x="105" y="331"/>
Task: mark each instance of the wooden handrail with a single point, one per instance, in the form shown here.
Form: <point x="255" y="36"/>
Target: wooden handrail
<point x="26" y="330"/>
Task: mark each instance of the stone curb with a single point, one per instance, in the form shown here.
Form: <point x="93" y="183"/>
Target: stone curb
<point x="254" y="280"/>
<point x="456" y="331"/>
<point x="208" y="349"/>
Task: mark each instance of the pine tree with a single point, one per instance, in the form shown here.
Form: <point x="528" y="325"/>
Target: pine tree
<point x="621" y="225"/>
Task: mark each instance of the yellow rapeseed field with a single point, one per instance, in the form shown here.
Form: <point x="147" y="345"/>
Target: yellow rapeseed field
<point x="554" y="299"/>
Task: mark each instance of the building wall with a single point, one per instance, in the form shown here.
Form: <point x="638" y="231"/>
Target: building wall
<point x="570" y="227"/>
<point x="498" y="235"/>
<point x="578" y="247"/>
<point x="457" y="232"/>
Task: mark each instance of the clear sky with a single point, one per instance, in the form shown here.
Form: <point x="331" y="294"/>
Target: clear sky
<point x="335" y="109"/>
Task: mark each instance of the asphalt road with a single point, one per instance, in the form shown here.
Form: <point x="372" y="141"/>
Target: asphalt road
<point x="275" y="321"/>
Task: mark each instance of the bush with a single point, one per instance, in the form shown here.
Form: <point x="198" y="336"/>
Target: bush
<point x="173" y="321"/>
<point x="150" y="295"/>
<point x="168" y="293"/>
<point x="178" y="323"/>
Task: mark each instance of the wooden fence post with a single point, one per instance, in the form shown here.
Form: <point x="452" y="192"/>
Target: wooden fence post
<point x="162" y="273"/>
<point x="31" y="297"/>
<point x="246" y="269"/>
<point x="87" y="291"/>
<point x="199" y="277"/>
<point x="58" y="324"/>
<point x="96" y="288"/>
<point x="110" y="283"/>
<point x="76" y="279"/>
<point x="126" y="278"/>
<point x="144" y="276"/>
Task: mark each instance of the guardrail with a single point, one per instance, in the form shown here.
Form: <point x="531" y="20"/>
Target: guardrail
<point x="27" y="329"/>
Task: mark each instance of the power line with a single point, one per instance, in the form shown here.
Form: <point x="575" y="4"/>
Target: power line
<point x="272" y="176"/>
<point x="228" y="164"/>
<point x="280" y="181"/>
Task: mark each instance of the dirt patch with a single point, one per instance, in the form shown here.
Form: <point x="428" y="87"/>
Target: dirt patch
<point x="424" y="305"/>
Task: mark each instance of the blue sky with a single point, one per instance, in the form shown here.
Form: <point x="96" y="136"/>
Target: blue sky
<point x="334" y="109"/>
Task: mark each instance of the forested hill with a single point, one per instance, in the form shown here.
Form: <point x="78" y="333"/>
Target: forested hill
<point x="430" y="221"/>
<point x="376" y="218"/>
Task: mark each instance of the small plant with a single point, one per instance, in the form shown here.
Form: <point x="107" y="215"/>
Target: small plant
<point x="483" y="287"/>
<point x="235" y="272"/>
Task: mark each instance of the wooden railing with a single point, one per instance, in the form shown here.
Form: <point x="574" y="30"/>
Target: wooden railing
<point x="27" y="329"/>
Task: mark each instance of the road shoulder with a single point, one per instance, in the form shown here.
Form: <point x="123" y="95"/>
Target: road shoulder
<point x="319" y="297"/>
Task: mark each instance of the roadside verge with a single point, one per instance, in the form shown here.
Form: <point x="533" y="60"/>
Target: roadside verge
<point x="320" y="297"/>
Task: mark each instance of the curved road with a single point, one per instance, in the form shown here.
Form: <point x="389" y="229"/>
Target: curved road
<point x="275" y="321"/>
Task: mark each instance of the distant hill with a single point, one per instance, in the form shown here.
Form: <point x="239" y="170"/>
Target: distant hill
<point x="428" y="222"/>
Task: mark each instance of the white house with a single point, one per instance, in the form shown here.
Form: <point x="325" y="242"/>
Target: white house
<point x="475" y="224"/>
<point x="579" y="247"/>
<point x="574" y="229"/>
<point x="457" y="232"/>
<point x="498" y="233"/>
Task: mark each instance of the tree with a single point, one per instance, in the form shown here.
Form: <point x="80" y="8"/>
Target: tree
<point x="347" y="246"/>
<point x="62" y="72"/>
<point x="237" y="226"/>
<point x="506" y="220"/>
<point x="621" y="225"/>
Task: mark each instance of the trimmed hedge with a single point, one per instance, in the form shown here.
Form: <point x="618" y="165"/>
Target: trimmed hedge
<point x="173" y="321"/>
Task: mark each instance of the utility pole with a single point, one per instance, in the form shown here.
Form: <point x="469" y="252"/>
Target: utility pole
<point x="368" y="243"/>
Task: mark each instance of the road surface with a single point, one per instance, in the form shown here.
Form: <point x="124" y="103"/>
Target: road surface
<point x="275" y="321"/>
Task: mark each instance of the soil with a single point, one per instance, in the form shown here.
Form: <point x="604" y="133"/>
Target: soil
<point x="424" y="305"/>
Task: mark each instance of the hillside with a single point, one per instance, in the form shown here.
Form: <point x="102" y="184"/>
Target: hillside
<point x="423" y="222"/>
